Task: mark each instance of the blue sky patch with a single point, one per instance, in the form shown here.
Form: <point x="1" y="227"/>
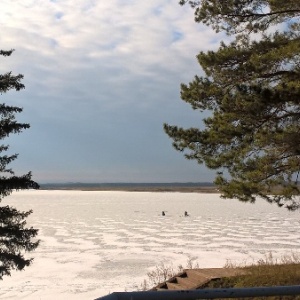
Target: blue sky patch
<point x="59" y="15"/>
<point x="176" y="36"/>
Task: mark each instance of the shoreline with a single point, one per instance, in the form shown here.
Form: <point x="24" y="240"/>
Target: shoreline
<point x="133" y="188"/>
<point x="154" y="190"/>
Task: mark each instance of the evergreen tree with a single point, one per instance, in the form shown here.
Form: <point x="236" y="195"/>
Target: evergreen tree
<point x="235" y="16"/>
<point x="15" y="238"/>
<point x="252" y="89"/>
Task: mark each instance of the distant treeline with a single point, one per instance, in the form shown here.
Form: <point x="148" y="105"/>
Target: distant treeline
<point x="170" y="186"/>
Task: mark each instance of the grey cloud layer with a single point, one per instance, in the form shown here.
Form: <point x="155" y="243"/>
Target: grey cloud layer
<point x="104" y="74"/>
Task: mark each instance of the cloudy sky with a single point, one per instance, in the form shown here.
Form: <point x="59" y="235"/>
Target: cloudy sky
<point x="101" y="78"/>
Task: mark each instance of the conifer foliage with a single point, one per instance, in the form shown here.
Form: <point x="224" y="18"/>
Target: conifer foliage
<point x="251" y="88"/>
<point x="15" y="237"/>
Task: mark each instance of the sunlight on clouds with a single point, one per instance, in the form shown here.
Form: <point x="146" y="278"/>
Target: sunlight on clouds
<point x="142" y="33"/>
<point x="122" y="39"/>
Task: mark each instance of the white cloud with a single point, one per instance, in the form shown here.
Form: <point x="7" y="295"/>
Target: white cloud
<point x="94" y="62"/>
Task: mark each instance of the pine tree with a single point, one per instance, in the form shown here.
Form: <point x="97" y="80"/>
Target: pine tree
<point x="15" y="238"/>
<point x="252" y="89"/>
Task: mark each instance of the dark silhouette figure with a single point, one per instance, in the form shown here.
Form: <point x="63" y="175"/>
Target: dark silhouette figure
<point x="163" y="213"/>
<point x="186" y="214"/>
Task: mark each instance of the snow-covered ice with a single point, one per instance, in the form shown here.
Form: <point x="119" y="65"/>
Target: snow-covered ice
<point x="94" y="242"/>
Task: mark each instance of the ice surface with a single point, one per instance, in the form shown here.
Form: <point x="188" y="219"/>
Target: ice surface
<point x="95" y="243"/>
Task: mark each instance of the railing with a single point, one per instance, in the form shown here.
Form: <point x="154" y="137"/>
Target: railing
<point x="205" y="293"/>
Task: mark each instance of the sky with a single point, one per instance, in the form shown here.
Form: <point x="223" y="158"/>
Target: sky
<point x="101" y="78"/>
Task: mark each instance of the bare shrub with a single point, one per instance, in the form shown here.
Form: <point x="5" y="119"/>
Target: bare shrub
<point x="163" y="272"/>
<point x="267" y="260"/>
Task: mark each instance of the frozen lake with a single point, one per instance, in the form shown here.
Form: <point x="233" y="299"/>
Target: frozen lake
<point x="95" y="243"/>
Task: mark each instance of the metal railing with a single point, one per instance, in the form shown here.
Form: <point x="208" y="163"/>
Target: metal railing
<point x="205" y="293"/>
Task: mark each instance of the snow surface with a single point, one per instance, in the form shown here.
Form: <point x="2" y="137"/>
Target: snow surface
<point x="94" y="243"/>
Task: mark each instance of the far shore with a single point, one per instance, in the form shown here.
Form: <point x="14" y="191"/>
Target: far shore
<point x="180" y="188"/>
